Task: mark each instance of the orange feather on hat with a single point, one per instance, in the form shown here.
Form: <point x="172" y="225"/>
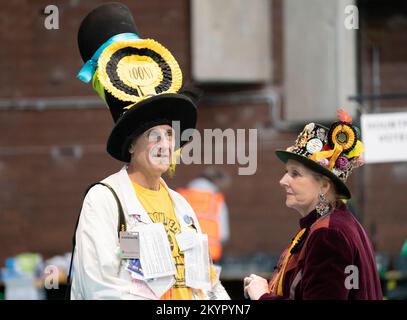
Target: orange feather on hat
<point x="343" y="116"/>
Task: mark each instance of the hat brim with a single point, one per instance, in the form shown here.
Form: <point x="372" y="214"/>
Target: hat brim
<point x="171" y="107"/>
<point x="340" y="186"/>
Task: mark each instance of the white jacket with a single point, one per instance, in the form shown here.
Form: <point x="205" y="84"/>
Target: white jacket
<point x="98" y="273"/>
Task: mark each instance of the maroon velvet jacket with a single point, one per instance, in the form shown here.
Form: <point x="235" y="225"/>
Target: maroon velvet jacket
<point x="317" y="271"/>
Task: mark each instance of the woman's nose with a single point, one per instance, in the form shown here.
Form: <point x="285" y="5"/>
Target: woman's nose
<point x="284" y="181"/>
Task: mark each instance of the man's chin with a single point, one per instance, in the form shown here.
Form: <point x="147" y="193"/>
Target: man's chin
<point x="160" y="167"/>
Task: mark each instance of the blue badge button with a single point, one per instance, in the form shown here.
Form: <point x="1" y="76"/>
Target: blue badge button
<point x="187" y="220"/>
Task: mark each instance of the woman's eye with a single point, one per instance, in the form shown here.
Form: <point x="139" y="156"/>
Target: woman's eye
<point x="294" y="174"/>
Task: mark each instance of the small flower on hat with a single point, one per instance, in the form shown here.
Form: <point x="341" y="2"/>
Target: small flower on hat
<point x="341" y="163"/>
<point x="357" y="162"/>
<point x="343" y="116"/>
<point x="323" y="162"/>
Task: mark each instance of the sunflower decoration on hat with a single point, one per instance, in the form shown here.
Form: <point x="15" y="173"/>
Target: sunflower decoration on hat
<point x="333" y="152"/>
<point x="138" y="79"/>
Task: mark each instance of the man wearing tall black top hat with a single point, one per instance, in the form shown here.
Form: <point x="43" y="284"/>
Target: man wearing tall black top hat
<point x="157" y="250"/>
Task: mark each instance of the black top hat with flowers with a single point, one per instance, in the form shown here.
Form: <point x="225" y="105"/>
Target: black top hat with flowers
<point x="332" y="152"/>
<point x="139" y="79"/>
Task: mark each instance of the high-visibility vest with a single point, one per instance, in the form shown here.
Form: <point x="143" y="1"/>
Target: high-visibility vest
<point x="207" y="206"/>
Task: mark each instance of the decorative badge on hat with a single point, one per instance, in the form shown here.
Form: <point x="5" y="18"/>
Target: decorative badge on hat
<point x="132" y="69"/>
<point x="343" y="145"/>
<point x="333" y="152"/>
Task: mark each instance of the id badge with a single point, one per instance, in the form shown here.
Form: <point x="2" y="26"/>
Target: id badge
<point x="186" y="239"/>
<point x="130" y="245"/>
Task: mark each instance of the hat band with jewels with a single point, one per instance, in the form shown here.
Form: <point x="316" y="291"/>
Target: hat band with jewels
<point x="88" y="70"/>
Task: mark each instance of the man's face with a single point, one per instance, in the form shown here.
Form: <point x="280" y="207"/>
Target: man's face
<point x="152" y="151"/>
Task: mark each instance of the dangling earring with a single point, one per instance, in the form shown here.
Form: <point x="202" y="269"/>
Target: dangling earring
<point x="323" y="207"/>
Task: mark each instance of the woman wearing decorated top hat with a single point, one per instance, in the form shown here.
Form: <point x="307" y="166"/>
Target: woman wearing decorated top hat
<point x="331" y="256"/>
<point x="120" y="251"/>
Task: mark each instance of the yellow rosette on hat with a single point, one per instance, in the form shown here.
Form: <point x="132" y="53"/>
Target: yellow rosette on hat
<point x="136" y="69"/>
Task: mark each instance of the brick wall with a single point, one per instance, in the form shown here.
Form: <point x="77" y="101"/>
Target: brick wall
<point x="42" y="186"/>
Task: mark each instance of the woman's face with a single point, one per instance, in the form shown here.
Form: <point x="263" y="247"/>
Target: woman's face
<point x="301" y="186"/>
<point x="152" y="151"/>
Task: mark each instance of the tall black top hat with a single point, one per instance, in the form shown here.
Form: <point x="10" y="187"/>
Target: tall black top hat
<point x="139" y="79"/>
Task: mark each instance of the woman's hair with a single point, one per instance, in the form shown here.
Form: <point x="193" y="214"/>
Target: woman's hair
<point x="338" y="199"/>
<point x="320" y="177"/>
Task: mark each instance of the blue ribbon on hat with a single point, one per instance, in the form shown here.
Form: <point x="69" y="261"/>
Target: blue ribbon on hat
<point x="88" y="70"/>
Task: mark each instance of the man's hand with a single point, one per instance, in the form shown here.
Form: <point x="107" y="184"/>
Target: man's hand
<point x="255" y="287"/>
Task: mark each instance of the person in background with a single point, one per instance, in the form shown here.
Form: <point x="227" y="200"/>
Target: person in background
<point x="331" y="257"/>
<point x="205" y="195"/>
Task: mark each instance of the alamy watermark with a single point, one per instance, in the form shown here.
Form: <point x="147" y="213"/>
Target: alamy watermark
<point x="352" y="280"/>
<point x="351" y="21"/>
<point x="51" y="21"/>
<point x="213" y="146"/>
<point x="51" y="277"/>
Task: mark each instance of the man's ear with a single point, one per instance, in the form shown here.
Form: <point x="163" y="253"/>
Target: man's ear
<point x="131" y="148"/>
